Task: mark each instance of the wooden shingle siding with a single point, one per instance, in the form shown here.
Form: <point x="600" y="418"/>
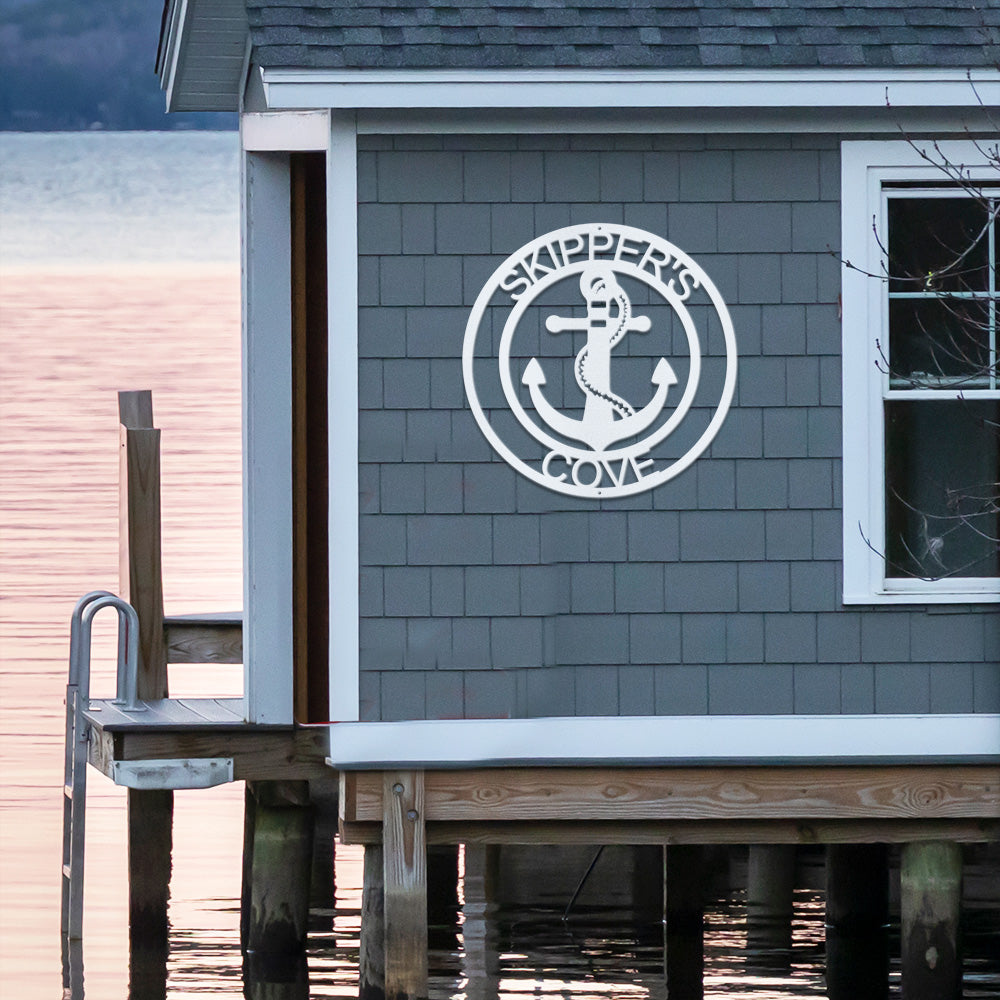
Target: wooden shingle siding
<point x="483" y="595"/>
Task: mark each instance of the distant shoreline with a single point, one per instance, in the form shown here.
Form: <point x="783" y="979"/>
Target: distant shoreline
<point x="97" y="129"/>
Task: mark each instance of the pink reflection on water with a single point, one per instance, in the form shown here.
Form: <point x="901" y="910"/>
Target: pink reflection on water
<point x="70" y="341"/>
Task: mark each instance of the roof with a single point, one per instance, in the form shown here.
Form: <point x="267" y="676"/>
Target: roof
<point x="624" y="34"/>
<point x="206" y="45"/>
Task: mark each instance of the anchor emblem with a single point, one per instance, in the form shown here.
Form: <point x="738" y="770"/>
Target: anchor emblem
<point x="610" y="446"/>
<point x="607" y="417"/>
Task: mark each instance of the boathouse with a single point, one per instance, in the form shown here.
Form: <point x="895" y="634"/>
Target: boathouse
<point x="620" y="394"/>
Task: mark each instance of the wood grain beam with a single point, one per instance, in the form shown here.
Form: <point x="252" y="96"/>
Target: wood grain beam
<point x="694" y="793"/>
<point x="405" y="885"/>
<point x="207" y="641"/>
<point x="802" y="831"/>
<point x="261" y="755"/>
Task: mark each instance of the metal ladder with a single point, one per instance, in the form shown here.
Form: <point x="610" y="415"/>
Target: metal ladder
<point x="78" y="736"/>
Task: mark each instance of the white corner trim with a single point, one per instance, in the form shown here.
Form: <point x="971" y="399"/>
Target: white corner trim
<point x="267" y="440"/>
<point x="669" y="89"/>
<point x="865" y="167"/>
<point x="291" y="131"/>
<point x="342" y="413"/>
<point x="613" y="741"/>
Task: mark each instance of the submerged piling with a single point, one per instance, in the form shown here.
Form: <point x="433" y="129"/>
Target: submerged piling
<point x="770" y="891"/>
<point x="930" y="904"/>
<point x="371" y="951"/>
<point x="684" y="948"/>
<point x="480" y="934"/>
<point x="857" y="921"/>
<point x="276" y="907"/>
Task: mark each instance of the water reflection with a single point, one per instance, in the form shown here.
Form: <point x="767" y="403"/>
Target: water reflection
<point x="70" y="341"/>
<point x="485" y="948"/>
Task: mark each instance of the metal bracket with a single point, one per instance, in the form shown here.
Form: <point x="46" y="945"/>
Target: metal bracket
<point x="179" y="773"/>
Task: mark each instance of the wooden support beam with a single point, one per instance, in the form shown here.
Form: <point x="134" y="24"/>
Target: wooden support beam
<point x="323" y="885"/>
<point x="280" y="868"/>
<point x="857" y="918"/>
<point x="150" y="842"/>
<point x="275" y="977"/>
<point x="734" y="831"/>
<point x="930" y="906"/>
<point x="770" y="890"/>
<point x="371" y="951"/>
<point x="258" y="754"/>
<point x="694" y="793"/>
<point x="246" y="886"/>
<point x="210" y="638"/>
<point x="480" y="935"/>
<point x="405" y="865"/>
<point x="150" y="813"/>
<point x="684" y="947"/>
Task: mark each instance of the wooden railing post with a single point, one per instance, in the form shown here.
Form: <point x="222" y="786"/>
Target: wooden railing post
<point x="150" y="813"/>
<point x="140" y="567"/>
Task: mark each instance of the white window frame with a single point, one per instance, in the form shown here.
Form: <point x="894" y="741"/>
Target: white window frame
<point x="866" y="168"/>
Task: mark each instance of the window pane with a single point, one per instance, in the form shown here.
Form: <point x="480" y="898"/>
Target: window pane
<point x="939" y="342"/>
<point x="942" y="472"/>
<point x="938" y="244"/>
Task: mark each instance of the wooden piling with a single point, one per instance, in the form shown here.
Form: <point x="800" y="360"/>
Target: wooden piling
<point x="323" y="887"/>
<point x="857" y="919"/>
<point x="442" y="896"/>
<point x="647" y="895"/>
<point x="246" y="888"/>
<point x="150" y="813"/>
<point x="770" y="889"/>
<point x="280" y="868"/>
<point x="930" y="905"/>
<point x="684" y="948"/>
<point x="480" y="934"/>
<point x="275" y="977"/>
<point x="371" y="952"/>
<point x="405" y="865"/>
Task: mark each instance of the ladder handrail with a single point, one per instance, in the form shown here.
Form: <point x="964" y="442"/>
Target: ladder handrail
<point x="126" y="693"/>
<point x="78" y="736"/>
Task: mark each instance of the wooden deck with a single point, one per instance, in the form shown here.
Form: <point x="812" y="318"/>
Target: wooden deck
<point x="888" y="803"/>
<point x="206" y="728"/>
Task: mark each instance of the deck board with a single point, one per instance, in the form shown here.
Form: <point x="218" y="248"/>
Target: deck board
<point x="170" y="714"/>
<point x="216" y="637"/>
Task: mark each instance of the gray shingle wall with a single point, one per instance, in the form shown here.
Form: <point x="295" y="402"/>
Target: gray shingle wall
<point x="484" y="595"/>
<point x="622" y="33"/>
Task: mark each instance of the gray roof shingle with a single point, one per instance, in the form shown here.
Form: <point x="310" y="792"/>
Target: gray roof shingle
<point x="626" y="34"/>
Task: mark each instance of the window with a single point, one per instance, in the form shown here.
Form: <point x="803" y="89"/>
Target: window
<point x="921" y="245"/>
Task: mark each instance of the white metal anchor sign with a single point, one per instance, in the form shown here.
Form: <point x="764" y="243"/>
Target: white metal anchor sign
<point x="641" y="392"/>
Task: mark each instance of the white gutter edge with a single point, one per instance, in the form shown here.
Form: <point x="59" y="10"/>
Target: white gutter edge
<point x="615" y="88"/>
<point x="790" y="739"/>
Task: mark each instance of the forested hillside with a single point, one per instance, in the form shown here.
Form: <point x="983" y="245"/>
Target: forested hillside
<point x="79" y="64"/>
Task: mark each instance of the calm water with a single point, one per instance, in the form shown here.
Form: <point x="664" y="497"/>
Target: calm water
<point x="119" y="269"/>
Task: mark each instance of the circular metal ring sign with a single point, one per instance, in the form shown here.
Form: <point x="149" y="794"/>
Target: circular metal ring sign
<point x="599" y="360"/>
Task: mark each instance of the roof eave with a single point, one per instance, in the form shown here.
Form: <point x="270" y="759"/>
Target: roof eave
<point x="201" y="59"/>
<point x="430" y="89"/>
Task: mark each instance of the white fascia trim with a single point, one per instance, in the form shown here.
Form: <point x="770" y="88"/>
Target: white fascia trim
<point x="677" y="740"/>
<point x="288" y="131"/>
<point x="176" y="43"/>
<point x="669" y="89"/>
<point x="865" y="167"/>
